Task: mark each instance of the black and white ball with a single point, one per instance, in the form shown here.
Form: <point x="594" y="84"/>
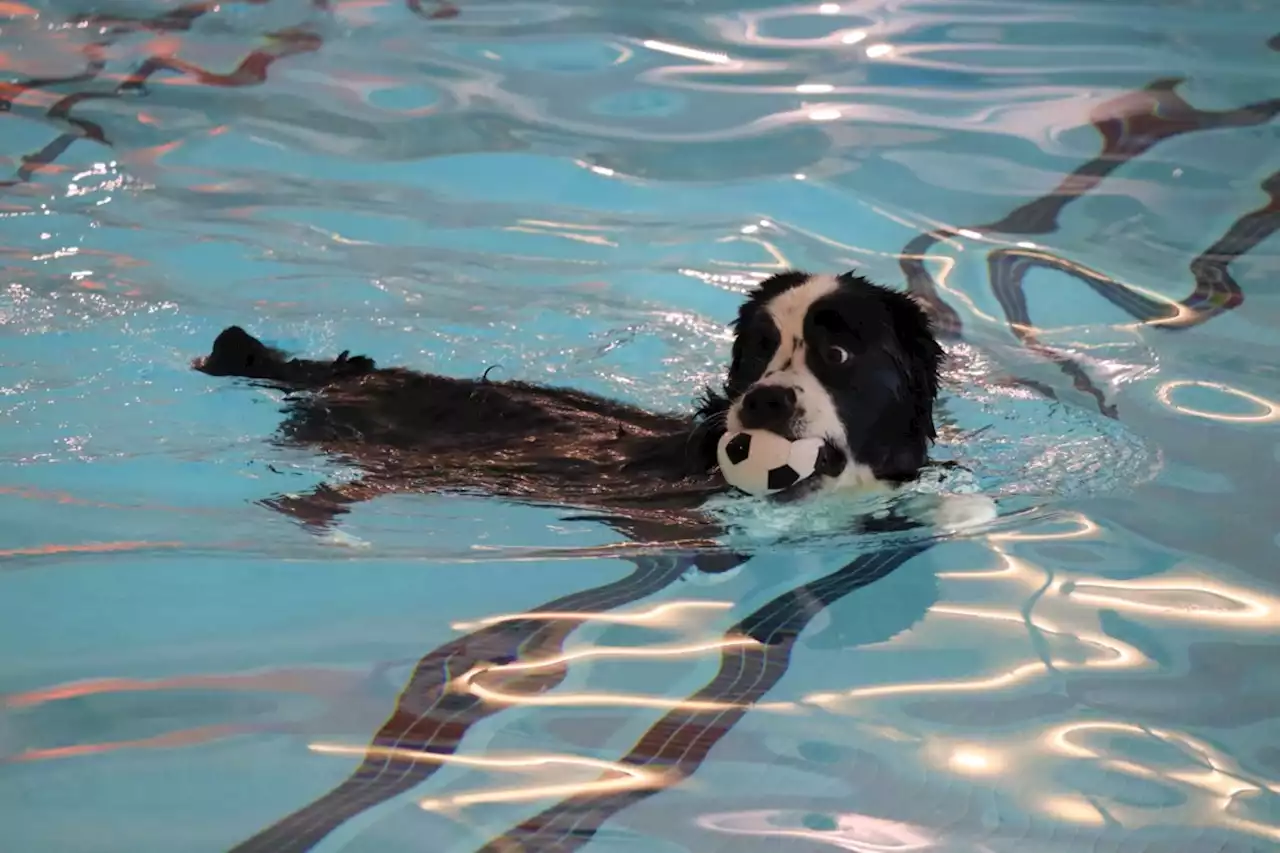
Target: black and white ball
<point x="760" y="463"/>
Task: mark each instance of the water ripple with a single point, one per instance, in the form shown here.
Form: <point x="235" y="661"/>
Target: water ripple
<point x="580" y="192"/>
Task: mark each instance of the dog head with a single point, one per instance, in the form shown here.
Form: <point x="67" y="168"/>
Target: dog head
<point x="842" y="359"/>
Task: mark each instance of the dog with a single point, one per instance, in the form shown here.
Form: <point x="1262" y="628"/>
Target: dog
<point x="837" y="357"/>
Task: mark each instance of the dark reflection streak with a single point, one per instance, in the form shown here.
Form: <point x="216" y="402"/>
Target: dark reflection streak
<point x="1007" y="269"/>
<point x="180" y="19"/>
<point x="1130" y="125"/>
<point x="252" y="70"/>
<point x="33" y="163"/>
<point x="1215" y="291"/>
<point x="95" y="65"/>
<point x="429" y="718"/>
<point x="1006" y="272"/>
<point x="12" y="91"/>
<point x="442" y="11"/>
<point x="1214" y="285"/>
<point x="1036" y="636"/>
<point x="946" y="322"/>
<point x="682" y="740"/>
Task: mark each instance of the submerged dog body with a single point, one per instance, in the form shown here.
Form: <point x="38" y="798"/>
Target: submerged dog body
<point x="836" y="358"/>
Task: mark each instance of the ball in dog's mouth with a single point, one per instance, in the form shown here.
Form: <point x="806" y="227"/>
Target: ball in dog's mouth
<point x="831" y="462"/>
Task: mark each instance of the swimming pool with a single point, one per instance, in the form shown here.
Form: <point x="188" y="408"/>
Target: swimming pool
<point x="1086" y="192"/>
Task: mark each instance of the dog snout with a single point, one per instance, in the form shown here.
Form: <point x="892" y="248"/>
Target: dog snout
<point x="769" y="407"/>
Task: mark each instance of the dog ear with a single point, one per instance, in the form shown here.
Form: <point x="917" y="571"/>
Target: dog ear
<point x="747" y="311"/>
<point x="752" y="304"/>
<point x="920" y="351"/>
<point x="765" y="291"/>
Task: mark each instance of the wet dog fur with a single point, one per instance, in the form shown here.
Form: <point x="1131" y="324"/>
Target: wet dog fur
<point x="833" y="357"/>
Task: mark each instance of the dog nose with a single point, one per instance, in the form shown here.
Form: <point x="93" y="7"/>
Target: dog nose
<point x="768" y="407"/>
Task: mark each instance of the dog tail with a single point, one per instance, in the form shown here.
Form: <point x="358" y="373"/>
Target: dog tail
<point x="237" y="353"/>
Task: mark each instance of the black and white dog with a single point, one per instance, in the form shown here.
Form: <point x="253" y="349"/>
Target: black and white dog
<point x="832" y="357"/>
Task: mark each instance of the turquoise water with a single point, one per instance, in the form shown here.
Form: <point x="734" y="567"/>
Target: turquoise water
<point x="579" y="193"/>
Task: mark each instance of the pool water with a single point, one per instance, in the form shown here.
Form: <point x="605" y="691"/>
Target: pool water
<point x="1085" y="193"/>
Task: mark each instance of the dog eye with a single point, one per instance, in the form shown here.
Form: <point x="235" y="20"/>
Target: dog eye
<point x="836" y="355"/>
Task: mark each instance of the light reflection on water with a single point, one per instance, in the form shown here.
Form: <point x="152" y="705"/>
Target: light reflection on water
<point x="580" y="192"/>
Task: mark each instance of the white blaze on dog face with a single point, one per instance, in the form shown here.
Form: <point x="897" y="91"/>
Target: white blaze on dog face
<point x="815" y="415"/>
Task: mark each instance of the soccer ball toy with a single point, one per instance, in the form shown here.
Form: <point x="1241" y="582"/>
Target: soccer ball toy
<point x="760" y="463"/>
